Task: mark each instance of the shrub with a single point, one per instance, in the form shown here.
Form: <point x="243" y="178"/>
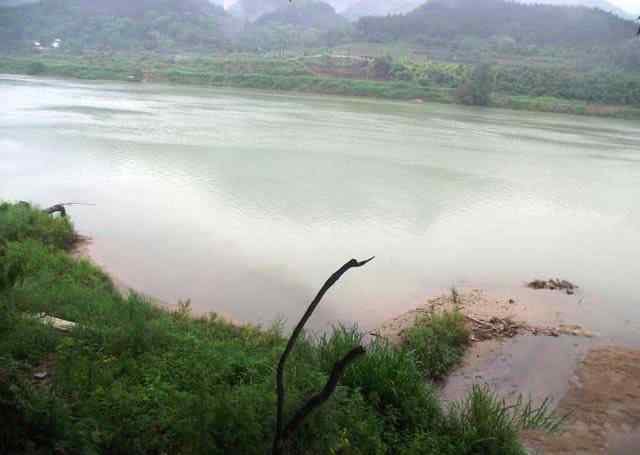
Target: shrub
<point x="22" y="221"/>
<point x="477" y="90"/>
<point x="484" y="424"/>
<point x="35" y="68"/>
<point x="439" y="341"/>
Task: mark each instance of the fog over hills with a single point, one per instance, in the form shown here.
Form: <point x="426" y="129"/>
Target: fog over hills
<point x="601" y="4"/>
<point x="354" y="9"/>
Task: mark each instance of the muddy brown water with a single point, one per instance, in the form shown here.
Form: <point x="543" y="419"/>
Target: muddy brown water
<point x="244" y="202"/>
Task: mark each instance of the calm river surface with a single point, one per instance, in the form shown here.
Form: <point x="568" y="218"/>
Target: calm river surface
<point x="245" y="202"/>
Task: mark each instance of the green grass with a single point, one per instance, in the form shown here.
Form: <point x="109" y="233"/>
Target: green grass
<point x="133" y="379"/>
<point x="20" y="221"/>
<point x="439" y="341"/>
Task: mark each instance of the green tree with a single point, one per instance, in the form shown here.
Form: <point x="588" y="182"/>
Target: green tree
<point x="380" y="68"/>
<point x="478" y="88"/>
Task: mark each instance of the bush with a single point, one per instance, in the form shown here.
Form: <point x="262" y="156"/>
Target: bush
<point x="439" y="341"/>
<point x="477" y="90"/>
<point x="485" y="425"/>
<point x="35" y="68"/>
<point x="23" y="221"/>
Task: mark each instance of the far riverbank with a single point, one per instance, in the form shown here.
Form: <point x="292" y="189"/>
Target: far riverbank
<point x="286" y="75"/>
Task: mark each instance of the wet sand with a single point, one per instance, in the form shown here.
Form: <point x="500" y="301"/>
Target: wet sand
<point x="597" y="385"/>
<point x="603" y="404"/>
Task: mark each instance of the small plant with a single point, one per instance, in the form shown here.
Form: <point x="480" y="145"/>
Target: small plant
<point x="439" y="341"/>
<point x="455" y="297"/>
<point x="489" y="425"/>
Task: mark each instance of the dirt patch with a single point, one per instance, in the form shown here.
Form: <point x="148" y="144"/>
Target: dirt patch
<point x="603" y="404"/>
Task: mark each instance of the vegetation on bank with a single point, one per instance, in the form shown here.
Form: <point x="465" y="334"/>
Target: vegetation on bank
<point x="130" y="378"/>
<point x="517" y="87"/>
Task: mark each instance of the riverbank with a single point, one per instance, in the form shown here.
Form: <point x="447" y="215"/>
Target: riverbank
<point x="521" y="349"/>
<point x="297" y="76"/>
<point x="128" y="377"/>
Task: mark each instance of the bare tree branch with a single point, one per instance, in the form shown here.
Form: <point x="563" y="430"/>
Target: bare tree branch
<point x="60" y="208"/>
<point x="292" y="341"/>
<point x="318" y="400"/>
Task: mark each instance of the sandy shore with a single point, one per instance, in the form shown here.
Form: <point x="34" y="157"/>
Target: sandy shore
<point x="539" y="354"/>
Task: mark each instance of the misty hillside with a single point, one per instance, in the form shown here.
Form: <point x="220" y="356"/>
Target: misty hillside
<point x="10" y="3"/>
<point x="541" y="25"/>
<point x="361" y="8"/>
<point x="114" y="25"/>
<point x="307" y="14"/>
<point x="253" y="9"/>
<point x="604" y="5"/>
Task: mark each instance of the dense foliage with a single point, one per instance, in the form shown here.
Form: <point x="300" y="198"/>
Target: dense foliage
<point x="540" y="25"/>
<point x="130" y="378"/>
<point x="114" y="25"/>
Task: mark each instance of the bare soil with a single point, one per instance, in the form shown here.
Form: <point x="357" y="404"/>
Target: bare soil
<point x="603" y="407"/>
<point x="597" y="387"/>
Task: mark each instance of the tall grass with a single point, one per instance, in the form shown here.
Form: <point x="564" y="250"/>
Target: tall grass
<point x="133" y="379"/>
<point x="439" y="341"/>
<point x="22" y="221"/>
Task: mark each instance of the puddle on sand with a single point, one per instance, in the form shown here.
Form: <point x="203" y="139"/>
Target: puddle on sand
<point x="625" y="443"/>
<point x="537" y="367"/>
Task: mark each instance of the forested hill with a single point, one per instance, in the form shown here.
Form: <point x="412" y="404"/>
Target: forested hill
<point x="115" y="24"/>
<point x="540" y="25"/>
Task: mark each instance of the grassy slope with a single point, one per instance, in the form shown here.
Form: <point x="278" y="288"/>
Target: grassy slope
<point x="133" y="379"/>
<point x="283" y="75"/>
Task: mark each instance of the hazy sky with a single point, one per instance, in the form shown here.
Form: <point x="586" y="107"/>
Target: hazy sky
<point x="633" y="6"/>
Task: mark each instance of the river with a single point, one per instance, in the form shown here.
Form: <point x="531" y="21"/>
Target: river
<point x="245" y="202"/>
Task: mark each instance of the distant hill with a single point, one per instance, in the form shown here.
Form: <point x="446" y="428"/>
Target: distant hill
<point x="604" y="5"/>
<point x="542" y="25"/>
<point x="306" y="14"/>
<point x="361" y="8"/>
<point x="115" y="24"/>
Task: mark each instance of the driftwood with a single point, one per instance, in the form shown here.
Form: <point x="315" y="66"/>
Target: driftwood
<point x="554" y="285"/>
<point x="60" y="208"/>
<point x="282" y="434"/>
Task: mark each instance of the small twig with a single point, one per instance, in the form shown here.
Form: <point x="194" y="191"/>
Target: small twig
<point x="479" y="322"/>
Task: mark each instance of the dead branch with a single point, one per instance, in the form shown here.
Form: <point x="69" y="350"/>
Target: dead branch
<point x="60" y="208"/>
<point x="318" y="400"/>
<point x="280" y="387"/>
<point x="478" y="321"/>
